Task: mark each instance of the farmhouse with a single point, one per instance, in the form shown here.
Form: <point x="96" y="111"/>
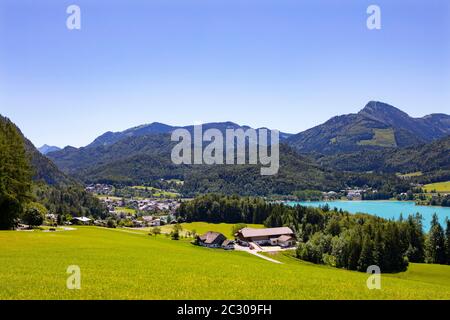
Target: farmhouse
<point x="283" y="236"/>
<point x="213" y="239"/>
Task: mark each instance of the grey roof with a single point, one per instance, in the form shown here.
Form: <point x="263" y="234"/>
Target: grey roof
<point x="251" y="232"/>
<point x="210" y="237"/>
<point x="284" y="238"/>
<point x="227" y="242"/>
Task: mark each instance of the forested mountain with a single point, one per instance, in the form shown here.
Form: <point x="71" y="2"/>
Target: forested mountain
<point x="44" y="169"/>
<point x="424" y="157"/>
<point x="380" y="138"/>
<point x="141" y="159"/>
<point x="15" y="175"/>
<point x="60" y="193"/>
<point x="377" y="126"/>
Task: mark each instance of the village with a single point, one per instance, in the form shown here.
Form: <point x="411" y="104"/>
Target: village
<point x="131" y="207"/>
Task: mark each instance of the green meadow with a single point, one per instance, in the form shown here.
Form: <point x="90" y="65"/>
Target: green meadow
<point x="158" y="192"/>
<point x="125" y="210"/>
<point x="123" y="264"/>
<point x="439" y="187"/>
<point x="203" y="227"/>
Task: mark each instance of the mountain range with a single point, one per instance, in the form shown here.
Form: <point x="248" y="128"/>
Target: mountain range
<point x="110" y="138"/>
<point x="377" y="125"/>
<point x="380" y="138"/>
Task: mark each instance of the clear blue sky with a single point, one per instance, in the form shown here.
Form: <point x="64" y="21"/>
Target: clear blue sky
<point x="283" y="64"/>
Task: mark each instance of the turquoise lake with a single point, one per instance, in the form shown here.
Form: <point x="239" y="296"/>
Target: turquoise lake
<point x="385" y="209"/>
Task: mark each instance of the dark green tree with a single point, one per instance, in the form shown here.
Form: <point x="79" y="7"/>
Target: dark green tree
<point x="34" y="214"/>
<point x="447" y="239"/>
<point x="436" y="249"/>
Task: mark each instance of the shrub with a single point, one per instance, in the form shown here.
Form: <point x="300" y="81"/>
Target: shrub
<point x="34" y="214"/>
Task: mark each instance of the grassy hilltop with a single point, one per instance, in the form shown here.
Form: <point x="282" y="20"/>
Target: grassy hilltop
<point x="122" y="264"/>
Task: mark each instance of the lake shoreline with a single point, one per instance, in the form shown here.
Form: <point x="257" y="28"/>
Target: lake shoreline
<point x="387" y="209"/>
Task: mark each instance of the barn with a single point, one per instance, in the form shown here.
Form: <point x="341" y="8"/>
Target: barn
<point x="283" y="236"/>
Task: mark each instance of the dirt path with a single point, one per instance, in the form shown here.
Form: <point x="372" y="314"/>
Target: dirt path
<point x="264" y="257"/>
<point x="256" y="253"/>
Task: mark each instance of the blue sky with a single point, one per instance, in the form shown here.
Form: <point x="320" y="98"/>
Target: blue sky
<point x="282" y="64"/>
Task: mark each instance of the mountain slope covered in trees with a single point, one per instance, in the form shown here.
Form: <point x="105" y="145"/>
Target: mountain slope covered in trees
<point x="428" y="157"/>
<point x="15" y="175"/>
<point x="377" y="126"/>
<point x="141" y="159"/>
<point x="44" y="182"/>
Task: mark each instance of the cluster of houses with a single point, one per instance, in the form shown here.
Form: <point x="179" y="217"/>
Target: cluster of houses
<point x="141" y="222"/>
<point x="168" y="206"/>
<point x="252" y="238"/>
<point x="101" y="189"/>
<point x="354" y="194"/>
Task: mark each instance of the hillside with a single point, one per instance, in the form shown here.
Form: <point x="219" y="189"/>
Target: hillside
<point x="142" y="159"/>
<point x="192" y="270"/>
<point x="430" y="157"/>
<point x="60" y="193"/>
<point x="43" y="169"/>
<point x="377" y="126"/>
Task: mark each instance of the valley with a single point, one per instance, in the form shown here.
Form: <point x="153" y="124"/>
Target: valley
<point x="121" y="196"/>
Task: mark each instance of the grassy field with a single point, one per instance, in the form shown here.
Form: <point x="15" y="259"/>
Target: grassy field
<point x="203" y="227"/>
<point x="122" y="264"/>
<point x="158" y="192"/>
<point x="439" y="187"/>
<point x="381" y="138"/>
<point x="410" y="174"/>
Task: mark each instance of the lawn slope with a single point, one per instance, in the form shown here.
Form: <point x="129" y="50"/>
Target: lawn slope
<point x="121" y="264"/>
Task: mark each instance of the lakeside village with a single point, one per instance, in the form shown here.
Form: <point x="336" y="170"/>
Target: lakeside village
<point x="140" y="207"/>
<point x="150" y="208"/>
<point x="145" y="206"/>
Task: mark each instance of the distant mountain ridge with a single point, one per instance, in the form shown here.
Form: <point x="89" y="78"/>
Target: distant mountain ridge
<point x="375" y="139"/>
<point x="377" y="125"/>
<point x="110" y="138"/>
<point x="47" y="149"/>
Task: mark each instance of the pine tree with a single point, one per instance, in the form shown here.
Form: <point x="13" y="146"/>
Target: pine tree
<point x="436" y="249"/>
<point x="366" y="258"/>
<point x="447" y="239"/>
<point x="416" y="239"/>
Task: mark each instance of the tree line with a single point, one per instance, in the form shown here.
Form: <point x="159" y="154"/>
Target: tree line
<point x="331" y="236"/>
